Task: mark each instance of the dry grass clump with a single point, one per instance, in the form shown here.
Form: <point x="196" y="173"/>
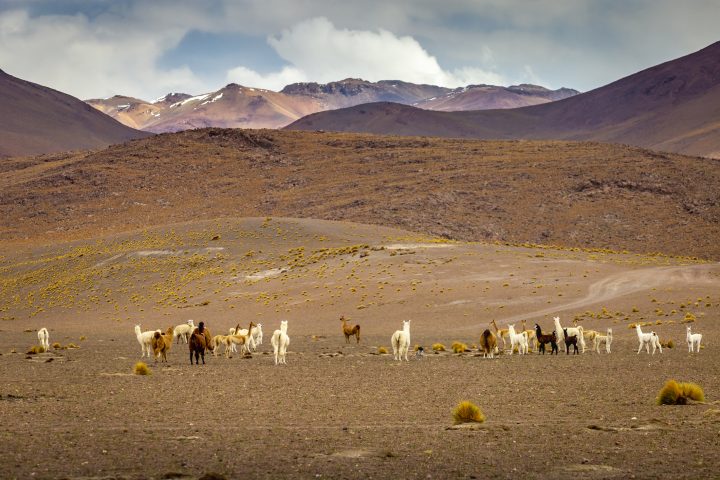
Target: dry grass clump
<point x="141" y="368"/>
<point x="56" y="346"/>
<point x="382" y="350"/>
<point x="467" y="412"/>
<point x="438" y="347"/>
<point x="674" y="393"/>
<point x="459" y="347"/>
<point x="689" y="318"/>
<point x="71" y="345"/>
<point x="35" y="349"/>
<point x="668" y="344"/>
<point x="83" y="338"/>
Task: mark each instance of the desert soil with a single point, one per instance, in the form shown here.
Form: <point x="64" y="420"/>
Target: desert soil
<point x="340" y="410"/>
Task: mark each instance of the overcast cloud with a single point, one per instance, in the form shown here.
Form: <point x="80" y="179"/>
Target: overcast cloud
<point x="145" y="48"/>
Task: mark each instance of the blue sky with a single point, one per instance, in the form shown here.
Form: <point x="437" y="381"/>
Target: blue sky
<point x="97" y="48"/>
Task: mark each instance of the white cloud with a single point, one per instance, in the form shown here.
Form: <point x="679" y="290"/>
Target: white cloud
<point x="89" y="59"/>
<point x="317" y="50"/>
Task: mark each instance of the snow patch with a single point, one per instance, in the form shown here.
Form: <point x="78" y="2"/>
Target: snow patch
<point x="213" y="100"/>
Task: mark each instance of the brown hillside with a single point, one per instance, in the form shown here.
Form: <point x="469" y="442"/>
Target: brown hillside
<point x="674" y="106"/>
<point x="576" y="194"/>
<point x="36" y="119"/>
<point x="487" y="97"/>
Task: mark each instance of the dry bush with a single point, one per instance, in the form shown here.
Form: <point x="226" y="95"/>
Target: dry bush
<point x="83" y="338"/>
<point x="438" y="347"/>
<point x="416" y="347"/>
<point x="466" y="412"/>
<point x="71" y="345"/>
<point x="689" y="318"/>
<point x="141" y="368"/>
<point x="668" y="344"/>
<point x="35" y="349"/>
<point x="693" y="391"/>
<point x="674" y="393"/>
<point x="382" y="350"/>
<point x="56" y="346"/>
<point x="459" y="347"/>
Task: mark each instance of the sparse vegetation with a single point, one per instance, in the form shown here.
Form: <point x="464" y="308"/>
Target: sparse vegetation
<point x="35" y="349"/>
<point x="141" y="368"/>
<point x="466" y="412"/>
<point x="382" y="350"/>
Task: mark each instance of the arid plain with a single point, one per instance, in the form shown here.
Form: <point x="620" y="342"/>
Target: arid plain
<point x="341" y="410"/>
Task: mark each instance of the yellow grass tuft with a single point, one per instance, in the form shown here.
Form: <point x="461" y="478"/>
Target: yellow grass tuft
<point x="674" y="393"/>
<point x="35" y="349"/>
<point x="141" y="368"/>
<point x="689" y="318"/>
<point x="438" y="347"/>
<point x="71" y="345"/>
<point x="382" y="350"/>
<point x="83" y="338"/>
<point x="56" y="346"/>
<point x="467" y="412"/>
<point x="459" y="347"/>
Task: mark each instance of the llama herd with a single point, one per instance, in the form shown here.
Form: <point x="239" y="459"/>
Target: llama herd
<point x="156" y="343"/>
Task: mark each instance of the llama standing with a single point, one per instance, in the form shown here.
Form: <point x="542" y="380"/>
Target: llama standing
<point x="543" y="339"/>
<point x="517" y="339"/>
<point x="145" y="340"/>
<point x="349" y="331"/>
<point x="572" y="331"/>
<point x="280" y="341"/>
<point x="44" y="339"/>
<point x="401" y="342"/>
<point x="600" y="338"/>
<point x="184" y="330"/>
<point x="161" y="343"/>
<point x="647" y="339"/>
<point x="488" y="344"/>
<point x="693" y="340"/>
<point x="570" y="340"/>
<point x="500" y="333"/>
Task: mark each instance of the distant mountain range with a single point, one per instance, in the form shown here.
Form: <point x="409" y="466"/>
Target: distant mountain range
<point x="674" y="106"/>
<point x="245" y="107"/>
<point x="36" y="119"/>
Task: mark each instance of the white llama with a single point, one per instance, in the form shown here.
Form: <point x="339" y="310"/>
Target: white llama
<point x="693" y="340"/>
<point x="280" y="342"/>
<point x="44" y="339"/>
<point x="145" y="340"/>
<point x="184" y="330"/>
<point x="401" y="342"/>
<point x="600" y="339"/>
<point x="572" y="331"/>
<point x="519" y="339"/>
<point x="647" y="339"/>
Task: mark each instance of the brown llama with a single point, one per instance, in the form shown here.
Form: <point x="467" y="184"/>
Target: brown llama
<point x="200" y="340"/>
<point x="543" y="338"/>
<point x="501" y="333"/>
<point x="349" y="331"/>
<point x="488" y="343"/>
<point x="570" y="341"/>
<point x="238" y="339"/>
<point x="161" y="343"/>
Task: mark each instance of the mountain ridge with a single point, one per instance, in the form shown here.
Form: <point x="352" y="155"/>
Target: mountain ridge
<point x="673" y="106"/>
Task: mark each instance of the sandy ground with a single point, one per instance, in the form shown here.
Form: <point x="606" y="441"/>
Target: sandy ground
<point x="338" y="410"/>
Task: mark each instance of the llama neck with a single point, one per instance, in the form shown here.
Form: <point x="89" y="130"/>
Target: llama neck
<point x="283" y="328"/>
